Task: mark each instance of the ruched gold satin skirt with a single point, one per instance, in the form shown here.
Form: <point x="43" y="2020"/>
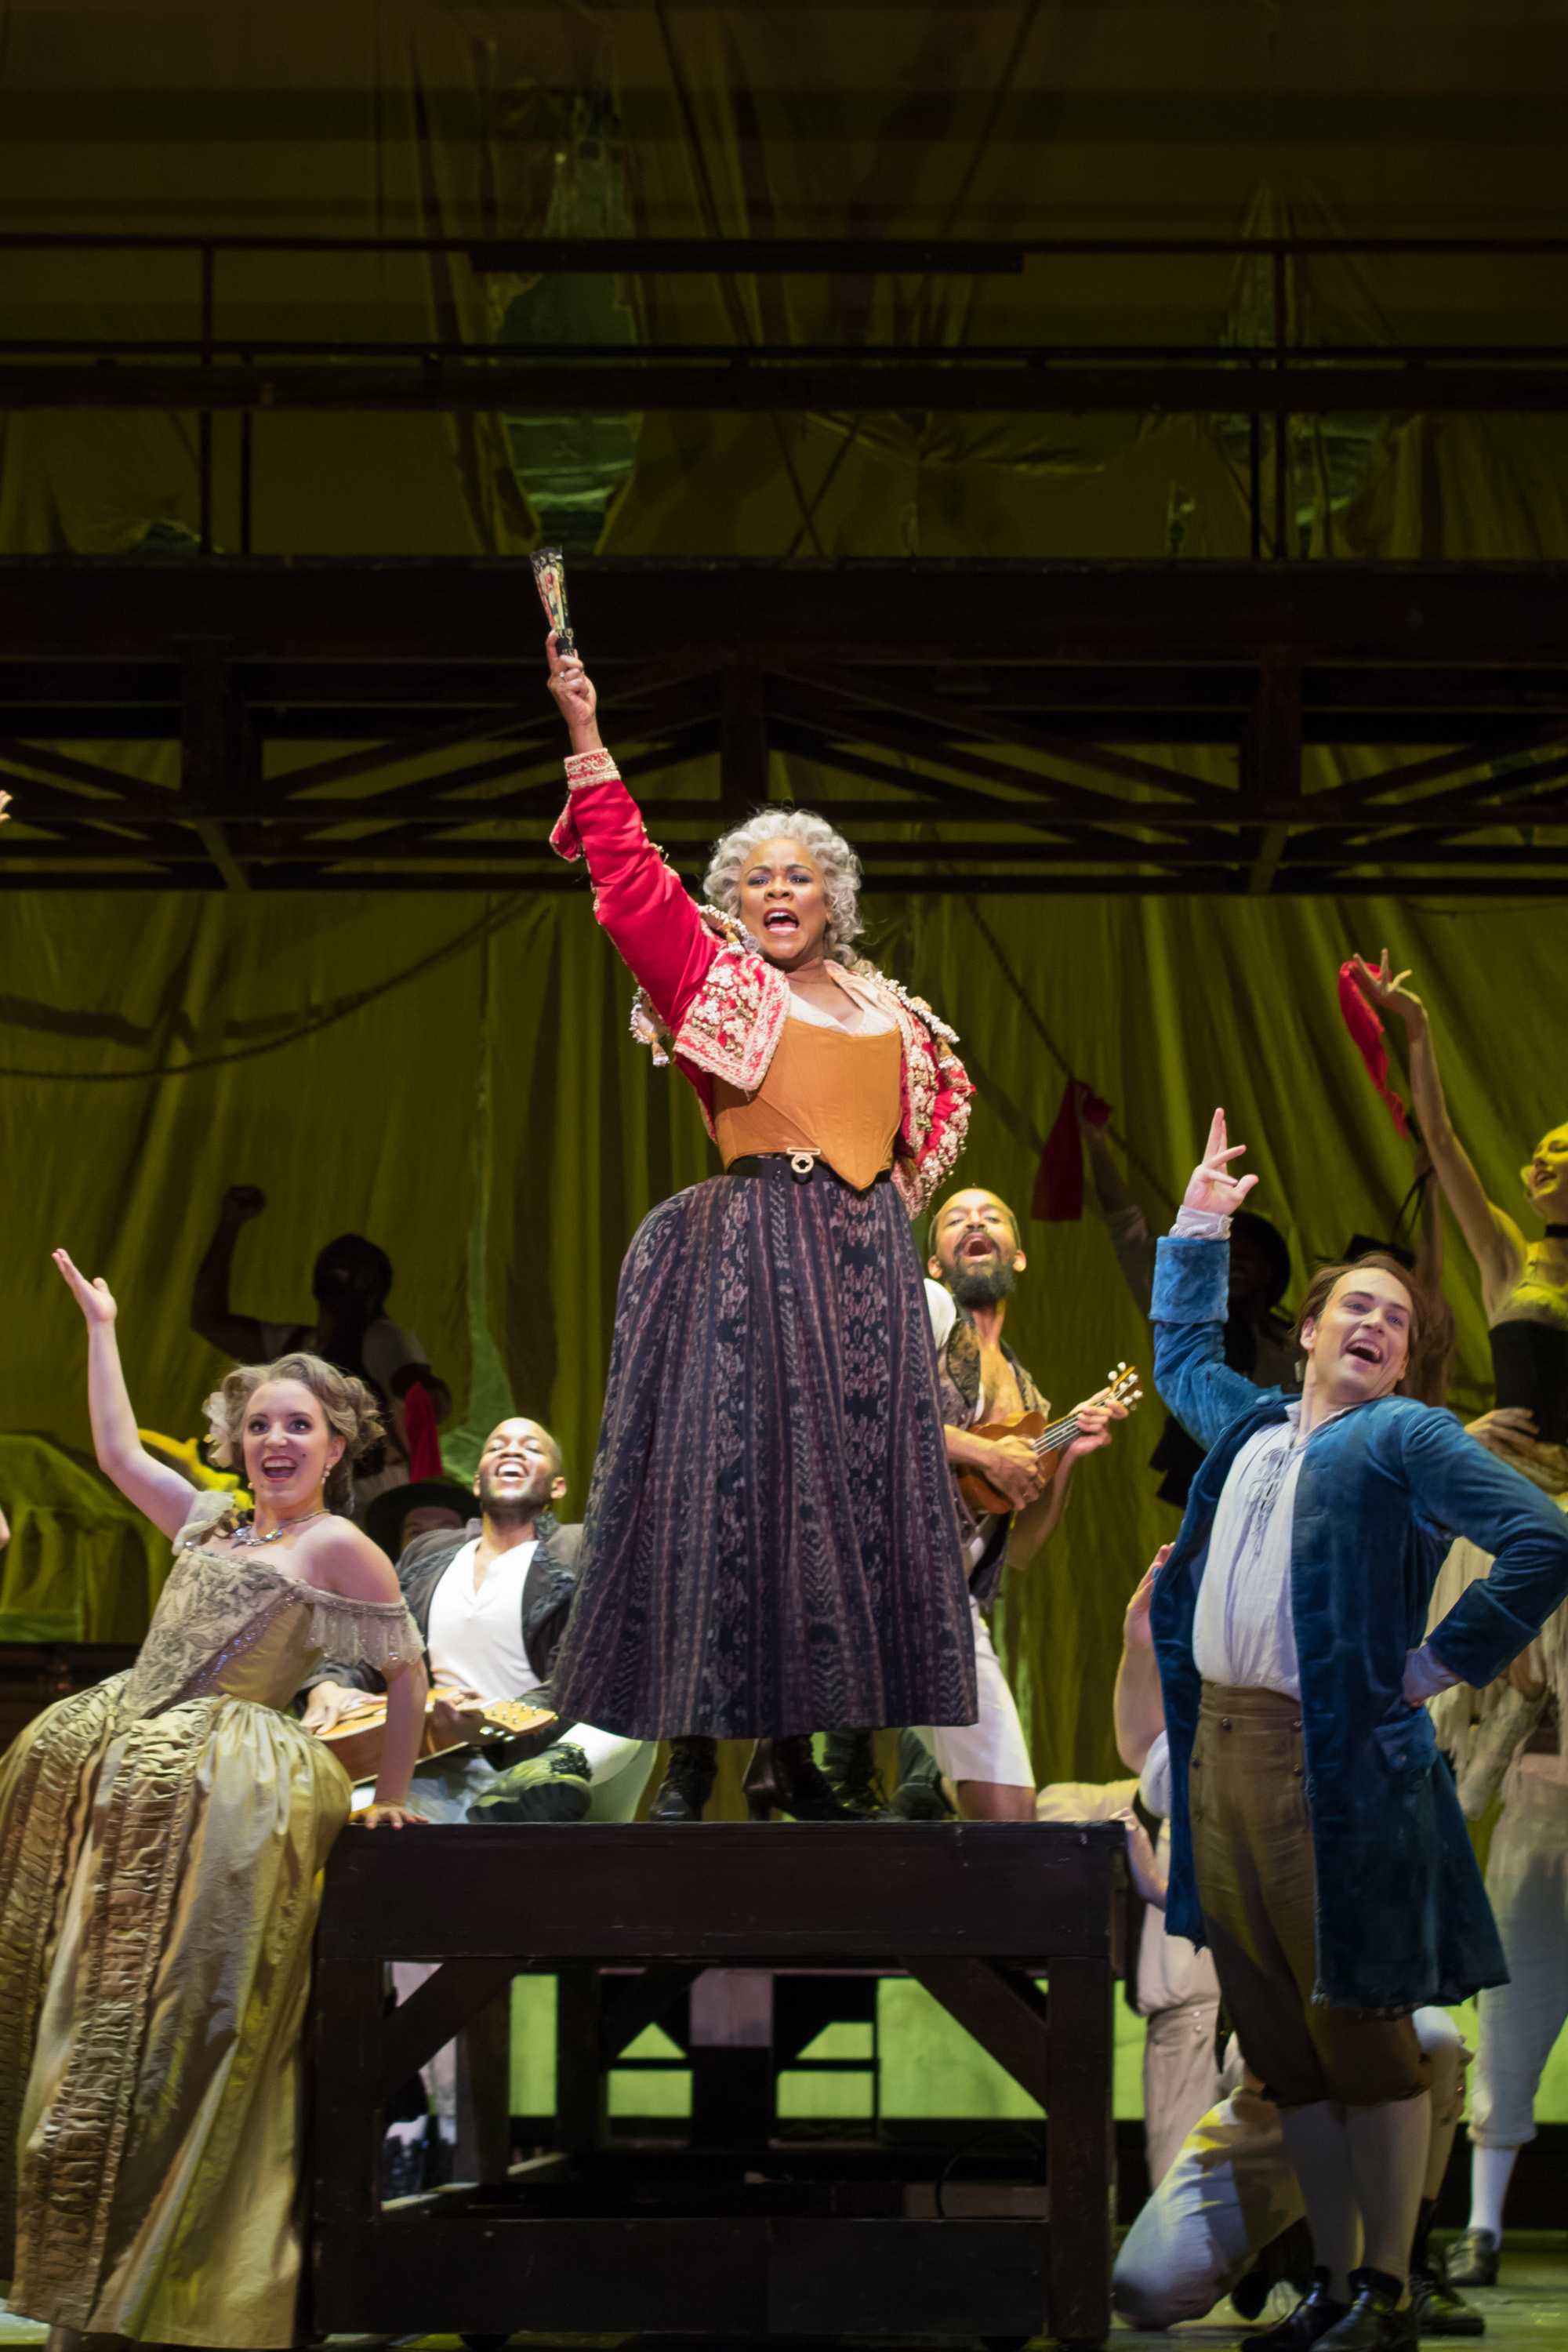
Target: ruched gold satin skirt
<point x="158" y="1893"/>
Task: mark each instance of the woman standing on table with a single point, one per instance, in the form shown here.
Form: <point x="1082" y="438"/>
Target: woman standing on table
<point x="770" y="1546"/>
<point x="162" y="1838"/>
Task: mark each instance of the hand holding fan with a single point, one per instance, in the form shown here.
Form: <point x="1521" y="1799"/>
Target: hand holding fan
<point x="550" y="579"/>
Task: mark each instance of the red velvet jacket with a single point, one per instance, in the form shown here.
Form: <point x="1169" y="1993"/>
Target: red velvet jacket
<point x="706" y="987"/>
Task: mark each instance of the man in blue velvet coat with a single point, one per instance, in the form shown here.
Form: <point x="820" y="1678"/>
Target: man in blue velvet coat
<point x="1317" y="1845"/>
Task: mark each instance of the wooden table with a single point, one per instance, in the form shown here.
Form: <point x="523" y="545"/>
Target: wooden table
<point x="701" y="2242"/>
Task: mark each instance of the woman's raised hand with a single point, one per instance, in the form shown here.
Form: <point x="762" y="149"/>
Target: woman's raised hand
<point x="1385" y="988"/>
<point x="575" y="697"/>
<point x="95" y="1299"/>
<point x="1211" y="1188"/>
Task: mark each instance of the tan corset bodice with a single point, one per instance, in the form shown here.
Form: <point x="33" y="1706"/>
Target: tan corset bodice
<point x="824" y="1091"/>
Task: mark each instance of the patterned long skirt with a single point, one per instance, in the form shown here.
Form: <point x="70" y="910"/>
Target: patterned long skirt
<point x="770" y="1544"/>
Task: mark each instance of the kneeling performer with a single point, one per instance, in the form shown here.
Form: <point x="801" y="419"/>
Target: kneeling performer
<point x="492" y="1608"/>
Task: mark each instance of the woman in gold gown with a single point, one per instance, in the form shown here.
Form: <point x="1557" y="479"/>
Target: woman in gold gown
<point x="162" y="1839"/>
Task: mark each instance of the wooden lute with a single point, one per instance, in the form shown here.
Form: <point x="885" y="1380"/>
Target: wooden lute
<point x="357" y="1739"/>
<point x="1048" y="1442"/>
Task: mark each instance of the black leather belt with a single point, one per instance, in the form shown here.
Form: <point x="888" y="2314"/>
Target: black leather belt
<point x="800" y="1165"/>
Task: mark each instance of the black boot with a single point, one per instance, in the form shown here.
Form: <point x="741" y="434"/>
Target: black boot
<point x="1313" y="2316"/>
<point x="781" y="1778"/>
<point x="1379" y="2320"/>
<point x="1440" y="2309"/>
<point x="687" y="1781"/>
<point x="554" y="1786"/>
<point x="849" y="1760"/>
<point x="919" y="1795"/>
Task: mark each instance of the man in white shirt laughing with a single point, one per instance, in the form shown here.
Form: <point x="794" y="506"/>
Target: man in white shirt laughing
<point x="493" y="1604"/>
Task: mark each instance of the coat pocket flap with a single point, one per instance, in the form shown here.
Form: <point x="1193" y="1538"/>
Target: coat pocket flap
<point x="1408" y="1747"/>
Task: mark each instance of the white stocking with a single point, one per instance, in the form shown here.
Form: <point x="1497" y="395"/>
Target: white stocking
<point x="1388" y="2148"/>
<point x="1318" y="2145"/>
<point x="1490" y="2171"/>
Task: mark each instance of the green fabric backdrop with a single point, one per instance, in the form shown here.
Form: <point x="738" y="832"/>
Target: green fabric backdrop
<point x="457" y="1079"/>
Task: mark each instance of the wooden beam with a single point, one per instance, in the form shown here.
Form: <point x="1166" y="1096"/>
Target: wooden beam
<point x="582" y="2080"/>
<point x="483" y="2151"/>
<point x="1002" y="2010"/>
<point x="413" y="2032"/>
<point x="1081" y="2151"/>
<point x="631" y="2004"/>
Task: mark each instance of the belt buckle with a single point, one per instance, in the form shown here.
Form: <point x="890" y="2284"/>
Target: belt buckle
<point x="802" y="1165"/>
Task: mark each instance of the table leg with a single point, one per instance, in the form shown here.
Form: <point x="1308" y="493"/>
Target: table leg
<point x="484" y="2092"/>
<point x="1080" y="2149"/>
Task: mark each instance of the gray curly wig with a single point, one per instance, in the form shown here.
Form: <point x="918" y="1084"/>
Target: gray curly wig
<point x="840" y="870"/>
<point x="350" y="1410"/>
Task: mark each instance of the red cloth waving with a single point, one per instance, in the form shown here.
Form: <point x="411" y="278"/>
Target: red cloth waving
<point x="424" y="1444"/>
<point x="1366" y="1029"/>
<point x="1059" y="1186"/>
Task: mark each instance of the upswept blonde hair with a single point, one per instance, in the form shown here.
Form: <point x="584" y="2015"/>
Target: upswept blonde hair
<point x="350" y="1410"/>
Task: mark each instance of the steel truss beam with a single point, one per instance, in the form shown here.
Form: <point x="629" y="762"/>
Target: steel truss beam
<point x="980" y="727"/>
<point x="775" y="382"/>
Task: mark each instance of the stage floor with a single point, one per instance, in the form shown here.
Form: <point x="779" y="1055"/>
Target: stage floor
<point x="1528" y="2312"/>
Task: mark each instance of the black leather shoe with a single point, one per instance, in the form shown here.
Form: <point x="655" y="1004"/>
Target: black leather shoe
<point x="554" y="1786"/>
<point x="849" y="1762"/>
<point x="687" y="1781"/>
<point x="1288" y="2257"/>
<point x="1439" y="2310"/>
<point x="1473" y="2258"/>
<point x="783" y="1778"/>
<point x="1311" y="2321"/>
<point x="1377" y="2321"/>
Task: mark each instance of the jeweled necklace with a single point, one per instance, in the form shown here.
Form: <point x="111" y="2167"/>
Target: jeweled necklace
<point x="246" y="1532"/>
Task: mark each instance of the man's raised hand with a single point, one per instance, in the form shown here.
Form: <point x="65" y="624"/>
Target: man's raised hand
<point x="1211" y="1188"/>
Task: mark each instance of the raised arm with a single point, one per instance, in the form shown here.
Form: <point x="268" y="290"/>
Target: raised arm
<point x="644" y="905"/>
<point x="1121" y="1208"/>
<point x="160" y="1492"/>
<point x="1495" y="1239"/>
<point x="212" y="1318"/>
<point x="1192" y="1285"/>
<point x="1139" y="1704"/>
